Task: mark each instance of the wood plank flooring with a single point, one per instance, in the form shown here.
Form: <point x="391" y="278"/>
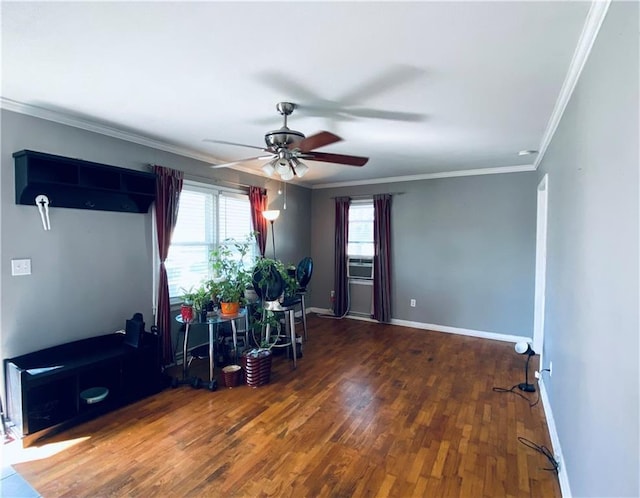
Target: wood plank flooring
<point x="372" y="410"/>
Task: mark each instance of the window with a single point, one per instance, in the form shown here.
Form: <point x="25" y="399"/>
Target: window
<point x="360" y="229"/>
<point x="207" y="216"/>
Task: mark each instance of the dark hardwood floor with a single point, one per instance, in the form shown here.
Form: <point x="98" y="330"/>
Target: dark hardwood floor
<point x="372" y="410"/>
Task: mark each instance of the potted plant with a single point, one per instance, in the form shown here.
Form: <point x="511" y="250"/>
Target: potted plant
<point x="201" y="298"/>
<point x="231" y="276"/>
<point x="262" y="270"/>
<point x="257" y="361"/>
<point x="186" y="308"/>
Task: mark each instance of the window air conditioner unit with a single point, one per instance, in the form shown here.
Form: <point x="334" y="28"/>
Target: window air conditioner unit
<point x="360" y="268"/>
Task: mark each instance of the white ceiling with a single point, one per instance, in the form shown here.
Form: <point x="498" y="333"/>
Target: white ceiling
<point x="478" y="80"/>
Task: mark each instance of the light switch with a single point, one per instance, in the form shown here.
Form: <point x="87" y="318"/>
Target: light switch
<point x="20" y="267"/>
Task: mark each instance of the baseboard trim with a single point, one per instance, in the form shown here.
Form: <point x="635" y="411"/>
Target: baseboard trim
<point x="459" y="331"/>
<point x="436" y="328"/>
<point x="563" y="478"/>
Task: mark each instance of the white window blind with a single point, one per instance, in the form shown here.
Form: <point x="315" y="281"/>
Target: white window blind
<point x="360" y="229"/>
<point x="206" y="217"/>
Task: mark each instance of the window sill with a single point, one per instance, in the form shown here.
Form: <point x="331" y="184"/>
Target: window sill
<point x="360" y="281"/>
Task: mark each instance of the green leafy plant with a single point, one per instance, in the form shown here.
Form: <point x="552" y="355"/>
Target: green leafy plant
<point x="264" y="264"/>
<point x="201" y="297"/>
<point x="231" y="269"/>
<point x="188" y="296"/>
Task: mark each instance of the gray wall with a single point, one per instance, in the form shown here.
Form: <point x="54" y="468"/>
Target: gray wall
<point x="463" y="247"/>
<point x="591" y="327"/>
<point x="94" y="269"/>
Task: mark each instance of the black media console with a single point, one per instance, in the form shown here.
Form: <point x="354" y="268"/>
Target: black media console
<point x="44" y="388"/>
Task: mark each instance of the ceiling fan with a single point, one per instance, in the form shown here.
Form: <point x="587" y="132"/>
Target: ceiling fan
<point x="286" y="147"/>
<point x="348" y="105"/>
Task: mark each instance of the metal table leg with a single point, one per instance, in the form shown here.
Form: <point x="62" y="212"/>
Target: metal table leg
<point x="184" y="351"/>
<point x="234" y="330"/>
<point x="211" y="353"/>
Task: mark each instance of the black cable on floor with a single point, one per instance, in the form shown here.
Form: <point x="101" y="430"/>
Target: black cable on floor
<point x="514" y="389"/>
<point x="544" y="450"/>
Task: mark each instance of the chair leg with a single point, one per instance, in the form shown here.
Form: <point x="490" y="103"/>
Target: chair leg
<point x="292" y="329"/>
<point x="304" y="317"/>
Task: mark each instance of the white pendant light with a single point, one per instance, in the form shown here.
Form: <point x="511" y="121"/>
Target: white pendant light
<point x="287" y="174"/>
<point x="268" y="168"/>
<point x="300" y="168"/>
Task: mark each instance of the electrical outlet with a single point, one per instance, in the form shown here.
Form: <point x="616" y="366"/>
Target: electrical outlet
<point x="536" y="374"/>
<point x="550" y="368"/>
<point x="413" y="303"/>
<point x="20" y="267"/>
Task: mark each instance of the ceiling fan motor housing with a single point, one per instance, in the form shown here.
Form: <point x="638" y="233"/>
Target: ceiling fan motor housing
<point x="282" y="137"/>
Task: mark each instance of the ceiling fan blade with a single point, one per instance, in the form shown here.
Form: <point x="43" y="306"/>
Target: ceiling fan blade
<point x="338" y="158"/>
<point x="227" y="165"/>
<point x="395" y="76"/>
<point x="283" y="83"/>
<point x="392" y="115"/>
<point x="316" y="141"/>
<point x="224" y="142"/>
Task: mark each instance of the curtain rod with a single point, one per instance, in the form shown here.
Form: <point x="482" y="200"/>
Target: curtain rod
<point x="366" y="196"/>
<point x="214" y="181"/>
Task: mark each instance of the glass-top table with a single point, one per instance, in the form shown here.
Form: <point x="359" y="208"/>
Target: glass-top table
<point x="212" y="322"/>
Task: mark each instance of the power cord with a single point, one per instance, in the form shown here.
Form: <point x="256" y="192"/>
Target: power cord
<point x="544" y="450"/>
<point x="513" y="389"/>
<point x="333" y="317"/>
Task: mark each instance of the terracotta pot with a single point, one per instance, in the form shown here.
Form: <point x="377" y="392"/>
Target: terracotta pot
<point x="257" y="368"/>
<point x="229" y="308"/>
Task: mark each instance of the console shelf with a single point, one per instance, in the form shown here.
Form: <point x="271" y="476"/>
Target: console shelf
<point x="43" y="388"/>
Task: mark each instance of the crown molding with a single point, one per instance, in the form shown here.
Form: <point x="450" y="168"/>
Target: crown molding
<point x="66" y="119"/>
<point x="430" y="176"/>
<point x="590" y="30"/>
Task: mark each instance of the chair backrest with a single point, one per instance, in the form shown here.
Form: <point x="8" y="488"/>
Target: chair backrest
<point x="304" y="271"/>
<point x="268" y="283"/>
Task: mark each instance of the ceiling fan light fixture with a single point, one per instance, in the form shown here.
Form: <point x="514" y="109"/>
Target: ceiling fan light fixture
<point x="282" y="167"/>
<point x="299" y="168"/>
<point x="288" y="174"/>
<point x="268" y="168"/>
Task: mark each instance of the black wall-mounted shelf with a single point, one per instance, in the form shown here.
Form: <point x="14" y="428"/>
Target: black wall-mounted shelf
<point x="74" y="183"/>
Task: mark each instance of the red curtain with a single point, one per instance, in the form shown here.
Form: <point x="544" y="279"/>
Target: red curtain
<point x="341" y="282"/>
<point x="382" y="257"/>
<point x="258" y="199"/>
<point x="168" y="188"/>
